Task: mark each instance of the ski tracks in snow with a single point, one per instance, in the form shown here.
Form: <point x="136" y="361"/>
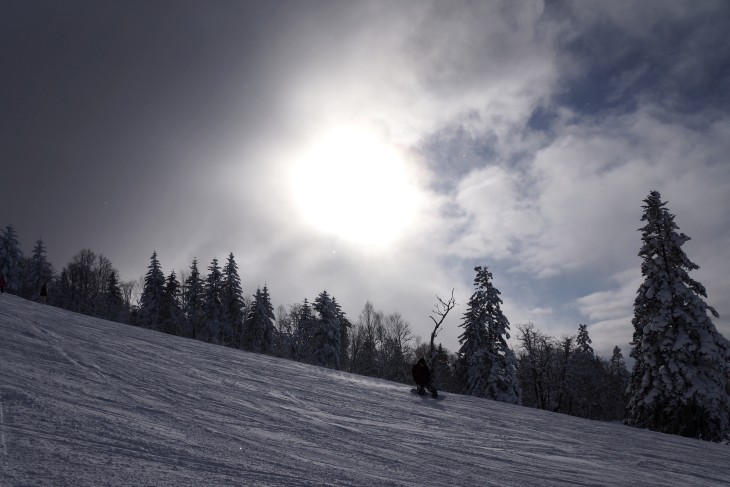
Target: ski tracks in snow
<point x="54" y="341"/>
<point x="3" y="444"/>
<point x="87" y="402"/>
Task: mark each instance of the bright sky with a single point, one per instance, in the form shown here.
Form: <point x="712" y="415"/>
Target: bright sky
<point x="378" y="150"/>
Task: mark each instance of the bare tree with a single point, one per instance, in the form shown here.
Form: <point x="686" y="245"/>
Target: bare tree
<point x="441" y="310"/>
<point x="393" y="350"/>
<point x="400" y="331"/>
<point x="536" y="355"/>
<point x="364" y="348"/>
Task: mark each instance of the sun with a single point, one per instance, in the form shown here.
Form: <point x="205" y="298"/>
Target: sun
<point x="352" y="184"/>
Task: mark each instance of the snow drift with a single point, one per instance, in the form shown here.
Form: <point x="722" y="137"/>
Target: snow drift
<point x="85" y="401"/>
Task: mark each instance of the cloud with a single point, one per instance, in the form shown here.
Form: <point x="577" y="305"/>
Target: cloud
<point x="456" y="90"/>
<point x="617" y="54"/>
<point x="532" y="132"/>
<point x="609" y="312"/>
<point x="424" y="65"/>
<point x="497" y="216"/>
<point x="571" y="214"/>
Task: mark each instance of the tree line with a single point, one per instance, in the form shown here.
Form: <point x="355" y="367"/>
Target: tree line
<point x="680" y="382"/>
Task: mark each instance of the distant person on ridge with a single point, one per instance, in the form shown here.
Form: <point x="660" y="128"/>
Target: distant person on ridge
<point x="44" y="294"/>
<point x="422" y="376"/>
<point x="2" y="284"/>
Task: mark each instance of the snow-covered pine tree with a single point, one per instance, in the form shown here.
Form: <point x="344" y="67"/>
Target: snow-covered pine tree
<point x="259" y="325"/>
<point x="472" y="361"/>
<point x="11" y="260"/>
<point x="584" y="379"/>
<point x="328" y="332"/>
<point x="213" y="307"/>
<point x="40" y="271"/>
<point x="583" y="341"/>
<point x="345" y="326"/>
<point x="488" y="365"/>
<point x="617" y="364"/>
<point x="193" y="299"/>
<point x="151" y="300"/>
<point x="304" y="324"/>
<point x="679" y="383"/>
<point x="172" y="315"/>
<point x="232" y="300"/>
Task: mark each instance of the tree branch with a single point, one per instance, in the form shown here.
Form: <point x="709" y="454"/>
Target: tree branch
<point x="441" y="310"/>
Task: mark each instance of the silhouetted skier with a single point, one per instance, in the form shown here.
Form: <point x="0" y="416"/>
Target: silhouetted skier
<point x="422" y="376"/>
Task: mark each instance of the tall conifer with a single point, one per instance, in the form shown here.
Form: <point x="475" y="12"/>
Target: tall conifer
<point x="213" y="307"/>
<point x="488" y="367"/>
<point x="328" y="337"/>
<point x="259" y="326"/>
<point x="679" y="383"/>
<point x="40" y="271"/>
<point x="151" y="300"/>
<point x="232" y="301"/>
<point x="193" y="299"/>
<point x="172" y="316"/>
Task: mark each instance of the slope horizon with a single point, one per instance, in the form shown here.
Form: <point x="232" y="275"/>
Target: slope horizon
<point x="85" y="401"/>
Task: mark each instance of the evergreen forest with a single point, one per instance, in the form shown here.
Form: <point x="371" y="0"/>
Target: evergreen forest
<point x="679" y="382"/>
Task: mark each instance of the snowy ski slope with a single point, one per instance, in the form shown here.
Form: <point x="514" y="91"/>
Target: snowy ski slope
<point x="86" y="402"/>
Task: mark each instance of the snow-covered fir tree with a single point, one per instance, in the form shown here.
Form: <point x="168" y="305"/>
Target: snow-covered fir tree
<point x="617" y="364"/>
<point x="11" y="260"/>
<point x="193" y="299"/>
<point x="40" y="271"/>
<point x="583" y="341"/>
<point x="172" y="315"/>
<point x="303" y="331"/>
<point x="213" y="331"/>
<point x="472" y="360"/>
<point x="151" y="300"/>
<point x="345" y="326"/>
<point x="488" y="367"/>
<point x="259" y="325"/>
<point x="679" y="383"/>
<point x="584" y="381"/>
<point x="328" y="351"/>
<point x="232" y="300"/>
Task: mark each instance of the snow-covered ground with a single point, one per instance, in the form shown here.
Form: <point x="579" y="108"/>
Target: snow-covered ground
<point x="89" y="402"/>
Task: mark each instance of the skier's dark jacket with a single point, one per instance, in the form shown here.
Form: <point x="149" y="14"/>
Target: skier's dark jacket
<point x="421" y="374"/>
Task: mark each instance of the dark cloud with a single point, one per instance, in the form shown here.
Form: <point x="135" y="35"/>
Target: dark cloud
<point x="619" y="55"/>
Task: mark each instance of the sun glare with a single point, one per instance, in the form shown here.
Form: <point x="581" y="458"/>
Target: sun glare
<point x="351" y="184"/>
